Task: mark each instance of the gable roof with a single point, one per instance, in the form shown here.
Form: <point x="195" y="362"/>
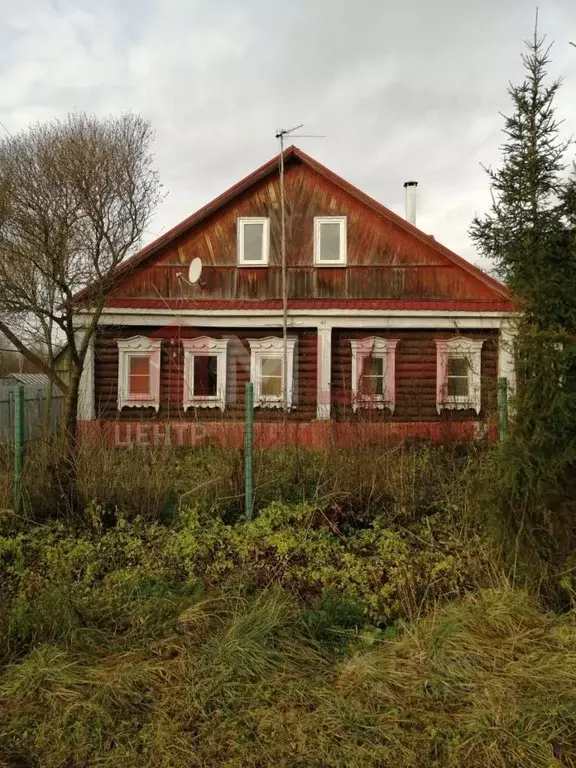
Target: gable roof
<point x="272" y="166"/>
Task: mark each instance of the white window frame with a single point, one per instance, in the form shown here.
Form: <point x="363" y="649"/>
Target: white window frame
<point x="272" y="346"/>
<point x="138" y="346"/>
<point x="242" y="260"/>
<point x="342" y="221"/>
<point x="471" y="349"/>
<point x="204" y="346"/>
<point x="382" y="349"/>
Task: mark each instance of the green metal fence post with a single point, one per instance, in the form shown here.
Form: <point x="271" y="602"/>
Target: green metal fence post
<point x="248" y="452"/>
<point x="18" y="446"/>
<point x="503" y="407"/>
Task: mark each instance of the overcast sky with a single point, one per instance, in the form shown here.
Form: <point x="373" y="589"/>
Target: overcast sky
<point x="401" y="90"/>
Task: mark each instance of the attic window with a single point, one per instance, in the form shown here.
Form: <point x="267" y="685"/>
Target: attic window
<point x="253" y="241"/>
<point x="330" y="241"/>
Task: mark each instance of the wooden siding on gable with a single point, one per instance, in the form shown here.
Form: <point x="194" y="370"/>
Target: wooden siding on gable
<point x="384" y="261"/>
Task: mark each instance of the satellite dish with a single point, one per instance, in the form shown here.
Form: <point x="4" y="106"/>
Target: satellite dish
<point x="195" y="270"/>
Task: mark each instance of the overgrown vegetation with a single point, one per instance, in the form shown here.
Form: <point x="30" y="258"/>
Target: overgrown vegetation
<point x="365" y="619"/>
<point x="132" y="669"/>
<point x="155" y="483"/>
<point x="389" y="570"/>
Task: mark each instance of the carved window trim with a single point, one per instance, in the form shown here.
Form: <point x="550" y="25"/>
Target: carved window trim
<point x="139" y="346"/>
<point x="382" y="349"/>
<point x="204" y="346"/>
<point x="459" y="347"/>
<point x="273" y="347"/>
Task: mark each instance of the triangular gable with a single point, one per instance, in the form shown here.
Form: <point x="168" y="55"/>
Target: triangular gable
<point x="501" y="290"/>
<point x="136" y="262"/>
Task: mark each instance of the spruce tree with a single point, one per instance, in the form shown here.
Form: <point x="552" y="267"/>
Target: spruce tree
<point x="526" y="232"/>
<point x="529" y="233"/>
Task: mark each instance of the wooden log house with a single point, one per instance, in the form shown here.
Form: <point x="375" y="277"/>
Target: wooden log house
<point x="389" y="333"/>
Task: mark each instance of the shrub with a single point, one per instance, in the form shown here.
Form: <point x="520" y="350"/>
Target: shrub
<point x="106" y="578"/>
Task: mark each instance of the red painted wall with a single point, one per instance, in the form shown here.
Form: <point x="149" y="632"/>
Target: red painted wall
<point x="317" y="435"/>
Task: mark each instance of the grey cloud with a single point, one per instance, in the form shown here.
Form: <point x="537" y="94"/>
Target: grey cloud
<point x="400" y="89"/>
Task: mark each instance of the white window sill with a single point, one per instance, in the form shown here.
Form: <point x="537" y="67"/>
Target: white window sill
<point x="459" y="404"/>
<point x="271" y="404"/>
<point x="376" y="401"/>
<point x="330" y="264"/>
<point x="139" y="404"/>
<point x="205" y="402"/>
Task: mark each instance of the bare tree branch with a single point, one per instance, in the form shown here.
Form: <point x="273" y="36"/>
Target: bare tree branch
<point x="34" y="358"/>
<point x="75" y="198"/>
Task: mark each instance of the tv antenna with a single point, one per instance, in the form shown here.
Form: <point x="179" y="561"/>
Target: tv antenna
<point x="281" y="135"/>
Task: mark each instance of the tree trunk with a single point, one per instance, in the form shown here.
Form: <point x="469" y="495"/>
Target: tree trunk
<point x="70" y="416"/>
<point x="64" y="462"/>
<point x="48" y="409"/>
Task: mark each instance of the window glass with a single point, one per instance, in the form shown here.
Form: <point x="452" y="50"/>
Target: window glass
<point x="373" y="376"/>
<point x="139" y="376"/>
<point x="205" y="375"/>
<point x="253" y="240"/>
<point x="271" y="377"/>
<point x="329" y="241"/>
<point x="458" y="385"/>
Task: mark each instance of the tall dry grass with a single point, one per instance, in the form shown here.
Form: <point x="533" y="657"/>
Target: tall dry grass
<point x="488" y="681"/>
<point x="154" y="483"/>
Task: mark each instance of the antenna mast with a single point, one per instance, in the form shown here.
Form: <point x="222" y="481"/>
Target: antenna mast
<point x="280" y="135"/>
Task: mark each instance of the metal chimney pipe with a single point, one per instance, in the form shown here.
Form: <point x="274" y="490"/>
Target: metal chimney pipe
<point x="410" y="187"/>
